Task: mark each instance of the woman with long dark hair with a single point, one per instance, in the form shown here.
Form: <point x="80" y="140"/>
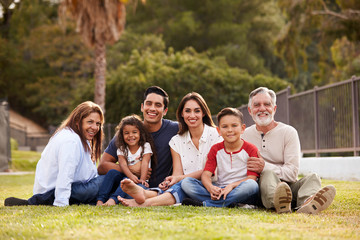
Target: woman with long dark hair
<point x="66" y="172"/>
<point x="189" y="149"/>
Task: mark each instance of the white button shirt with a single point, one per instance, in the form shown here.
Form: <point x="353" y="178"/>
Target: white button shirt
<point x="63" y="162"/>
<point x="193" y="159"/>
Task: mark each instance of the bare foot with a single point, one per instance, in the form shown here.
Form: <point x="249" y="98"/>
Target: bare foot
<point x="99" y="203"/>
<point x="130" y="202"/>
<point x="135" y="191"/>
<point x="110" y="202"/>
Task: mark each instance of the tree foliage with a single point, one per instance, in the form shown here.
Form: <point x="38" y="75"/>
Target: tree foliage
<point x="309" y="43"/>
<point x="221" y="49"/>
<point x="180" y="73"/>
<point x="242" y="31"/>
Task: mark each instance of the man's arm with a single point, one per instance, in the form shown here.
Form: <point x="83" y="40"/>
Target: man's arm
<point x="285" y="156"/>
<point x="107" y="162"/>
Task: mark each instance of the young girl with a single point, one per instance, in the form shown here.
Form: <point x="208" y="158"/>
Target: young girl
<point x="136" y="154"/>
<point x="189" y="149"/>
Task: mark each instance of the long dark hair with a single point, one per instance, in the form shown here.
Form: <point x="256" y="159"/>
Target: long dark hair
<point x="74" y="121"/>
<point x="204" y="108"/>
<point x="145" y="136"/>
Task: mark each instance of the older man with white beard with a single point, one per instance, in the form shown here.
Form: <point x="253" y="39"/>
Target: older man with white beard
<point x="278" y="161"/>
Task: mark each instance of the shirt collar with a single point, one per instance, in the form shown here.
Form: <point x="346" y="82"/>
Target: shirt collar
<point x="204" y="135"/>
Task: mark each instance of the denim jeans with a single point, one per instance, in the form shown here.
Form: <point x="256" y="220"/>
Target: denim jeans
<point x="111" y="187"/>
<point x="246" y="193"/>
<point x="81" y="193"/>
<point x="177" y="192"/>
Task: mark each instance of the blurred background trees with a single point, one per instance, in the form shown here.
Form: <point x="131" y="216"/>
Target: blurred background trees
<point x="221" y="49"/>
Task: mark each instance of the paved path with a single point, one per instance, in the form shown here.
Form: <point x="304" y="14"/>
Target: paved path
<point x="15" y="173"/>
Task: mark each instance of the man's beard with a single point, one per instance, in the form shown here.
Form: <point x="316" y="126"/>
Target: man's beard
<point x="263" y="121"/>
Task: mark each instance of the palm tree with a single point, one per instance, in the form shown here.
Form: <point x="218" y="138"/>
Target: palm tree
<point x="100" y="22"/>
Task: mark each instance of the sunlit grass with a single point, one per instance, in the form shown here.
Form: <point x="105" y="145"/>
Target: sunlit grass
<point x="340" y="221"/>
<point x="24" y="160"/>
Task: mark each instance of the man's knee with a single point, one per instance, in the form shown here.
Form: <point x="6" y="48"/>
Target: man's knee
<point x="268" y="182"/>
<point x="268" y="174"/>
<point x="313" y="177"/>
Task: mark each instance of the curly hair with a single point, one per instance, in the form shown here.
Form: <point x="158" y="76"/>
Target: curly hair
<point x="145" y="136"/>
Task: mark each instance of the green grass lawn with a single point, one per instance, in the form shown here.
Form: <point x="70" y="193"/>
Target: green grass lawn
<point x="24" y="160"/>
<point x="340" y="221"/>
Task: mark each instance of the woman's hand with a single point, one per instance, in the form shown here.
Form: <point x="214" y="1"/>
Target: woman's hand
<point x="164" y="185"/>
<point x="174" y="179"/>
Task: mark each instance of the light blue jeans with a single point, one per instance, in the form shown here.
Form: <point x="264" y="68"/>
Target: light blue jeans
<point x="246" y="193"/>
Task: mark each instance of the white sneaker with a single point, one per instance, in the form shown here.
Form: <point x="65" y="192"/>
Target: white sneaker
<point x="319" y="201"/>
<point x="282" y="198"/>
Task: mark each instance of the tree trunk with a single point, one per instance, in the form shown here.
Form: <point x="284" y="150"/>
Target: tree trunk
<point x="100" y="73"/>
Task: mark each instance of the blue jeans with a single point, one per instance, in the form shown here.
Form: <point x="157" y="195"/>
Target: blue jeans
<point x="81" y="193"/>
<point x="177" y="192"/>
<point x="246" y="193"/>
<point x="110" y="187"/>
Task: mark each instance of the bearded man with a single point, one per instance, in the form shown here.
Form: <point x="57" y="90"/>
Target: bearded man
<point x="278" y="161"/>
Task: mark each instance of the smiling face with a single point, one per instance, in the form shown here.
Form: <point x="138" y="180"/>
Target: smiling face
<point x="131" y="135"/>
<point x="91" y="125"/>
<point x="231" y="128"/>
<point x="192" y="114"/>
<point x="153" y="109"/>
<point x="262" y="110"/>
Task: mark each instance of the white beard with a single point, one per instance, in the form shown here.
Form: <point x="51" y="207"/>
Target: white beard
<point x="261" y="121"/>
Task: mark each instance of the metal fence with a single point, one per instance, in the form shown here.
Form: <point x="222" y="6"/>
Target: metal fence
<point x="326" y="118"/>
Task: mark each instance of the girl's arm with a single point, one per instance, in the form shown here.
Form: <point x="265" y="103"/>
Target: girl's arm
<point x="233" y="185"/>
<point x="145" y="168"/>
<point x="125" y="169"/>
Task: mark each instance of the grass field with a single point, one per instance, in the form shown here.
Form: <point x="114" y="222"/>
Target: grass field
<point x="340" y="221"/>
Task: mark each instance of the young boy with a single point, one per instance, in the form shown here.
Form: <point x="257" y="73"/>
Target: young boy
<point x="234" y="183"/>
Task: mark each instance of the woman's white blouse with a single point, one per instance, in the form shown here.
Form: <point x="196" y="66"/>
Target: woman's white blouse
<point x="193" y="159"/>
<point x="63" y="162"/>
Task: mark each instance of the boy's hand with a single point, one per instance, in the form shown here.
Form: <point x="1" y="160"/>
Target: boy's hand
<point x="227" y="190"/>
<point x="215" y="192"/>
